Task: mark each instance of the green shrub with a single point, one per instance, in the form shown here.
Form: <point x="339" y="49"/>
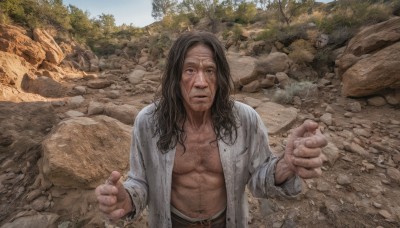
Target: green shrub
<point x="291" y="33"/>
<point x="341" y="35"/>
<point x="268" y="34"/>
<point x="158" y="44"/>
<point x="304" y="89"/>
<point x="353" y="15"/>
<point x="245" y="13"/>
<point x="285" y="35"/>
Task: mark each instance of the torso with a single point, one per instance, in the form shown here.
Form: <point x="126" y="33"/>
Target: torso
<point x="198" y="185"/>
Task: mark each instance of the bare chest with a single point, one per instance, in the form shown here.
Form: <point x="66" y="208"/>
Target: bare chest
<point x="201" y="155"/>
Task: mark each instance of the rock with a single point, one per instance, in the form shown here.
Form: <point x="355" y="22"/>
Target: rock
<point x="16" y="41"/>
<point x="348" y="114"/>
<point x="75" y="102"/>
<point x="95" y="108"/>
<point x="276" y="117"/>
<point x="73" y="113"/>
<point x="394" y="174"/>
<point x="33" y="195"/>
<point x="54" y="54"/>
<point x="327" y="119"/>
<point x="283" y="79"/>
<point x="386" y="215"/>
<point x="376" y="101"/>
<point x="268" y="82"/>
<point x="323" y="186"/>
<point x="242" y="69"/>
<point x="113" y="94"/>
<point x="12" y="70"/>
<point x="40" y="204"/>
<point x="136" y="76"/>
<point x="346" y="61"/>
<point x="99" y="84"/>
<point x="343" y="179"/>
<point x="43" y="86"/>
<point x="355" y="148"/>
<point x="252" y="87"/>
<point x="329" y="109"/>
<point x="273" y="63"/>
<point x="253" y="102"/>
<point x="331" y="152"/>
<point x="393" y="98"/>
<point x="368" y="166"/>
<point x="34" y="221"/>
<point x="375" y="37"/>
<point x="124" y="113"/>
<point x="354" y="107"/>
<point x="362" y="132"/>
<point x="80" y="89"/>
<point x="81" y="151"/>
<point x="374" y="73"/>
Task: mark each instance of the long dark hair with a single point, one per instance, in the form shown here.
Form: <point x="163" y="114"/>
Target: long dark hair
<point x="169" y="114"/>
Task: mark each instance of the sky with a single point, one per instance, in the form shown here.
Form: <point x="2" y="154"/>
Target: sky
<point x="135" y="12"/>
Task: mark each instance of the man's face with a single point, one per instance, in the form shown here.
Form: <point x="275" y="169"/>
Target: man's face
<point x="199" y="79"/>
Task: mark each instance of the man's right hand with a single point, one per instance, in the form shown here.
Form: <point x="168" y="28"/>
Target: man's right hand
<point x="114" y="200"/>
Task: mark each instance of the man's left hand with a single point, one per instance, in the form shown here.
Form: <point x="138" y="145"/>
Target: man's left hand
<point x="303" y="155"/>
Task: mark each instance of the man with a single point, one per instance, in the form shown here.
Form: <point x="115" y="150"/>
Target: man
<point x="194" y="150"/>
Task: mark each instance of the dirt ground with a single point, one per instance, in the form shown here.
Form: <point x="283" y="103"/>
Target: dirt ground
<point x="356" y="190"/>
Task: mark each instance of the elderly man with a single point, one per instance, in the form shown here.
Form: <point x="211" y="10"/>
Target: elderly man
<point x="194" y="150"/>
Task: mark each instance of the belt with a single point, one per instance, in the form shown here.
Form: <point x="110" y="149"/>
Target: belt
<point x="183" y="219"/>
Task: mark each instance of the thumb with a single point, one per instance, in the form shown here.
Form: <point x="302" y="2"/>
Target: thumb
<point x="307" y="128"/>
<point x="114" y="177"/>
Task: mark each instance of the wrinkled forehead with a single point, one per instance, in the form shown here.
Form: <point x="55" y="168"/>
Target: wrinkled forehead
<point x="199" y="53"/>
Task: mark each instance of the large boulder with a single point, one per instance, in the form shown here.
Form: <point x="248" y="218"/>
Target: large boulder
<point x="371" y="61"/>
<point x="81" y="152"/>
<point x="44" y="86"/>
<point x="12" y="69"/>
<point x="124" y="113"/>
<point x="274" y="63"/>
<point x="373" y="74"/>
<point x="15" y="40"/>
<point x="242" y="69"/>
<point x="276" y="117"/>
<point x="375" y="37"/>
<point x="54" y="53"/>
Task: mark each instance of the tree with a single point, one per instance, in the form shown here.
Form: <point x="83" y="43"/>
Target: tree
<point x="80" y="22"/>
<point x="106" y="23"/>
<point x="290" y="8"/>
<point x="162" y="8"/>
<point x="202" y="8"/>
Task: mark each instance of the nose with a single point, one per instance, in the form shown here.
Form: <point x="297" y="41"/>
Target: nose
<point x="200" y="81"/>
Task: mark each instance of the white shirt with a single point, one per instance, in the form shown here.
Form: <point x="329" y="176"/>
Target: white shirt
<point x="248" y="161"/>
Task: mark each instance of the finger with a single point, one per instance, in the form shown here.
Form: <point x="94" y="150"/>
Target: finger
<point x="308" y="163"/>
<point x="106" y="189"/>
<point x="316" y="141"/>
<point x="307" y="126"/>
<point x="106" y="210"/>
<point x="308" y="173"/>
<point x="113" y="178"/>
<point x="305" y="152"/>
<point x="115" y="214"/>
<point x="107" y="200"/>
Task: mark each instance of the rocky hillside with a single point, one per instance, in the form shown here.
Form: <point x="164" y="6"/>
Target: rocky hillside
<point x="66" y="118"/>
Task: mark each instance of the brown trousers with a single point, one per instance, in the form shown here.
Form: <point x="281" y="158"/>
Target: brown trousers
<point x="218" y="222"/>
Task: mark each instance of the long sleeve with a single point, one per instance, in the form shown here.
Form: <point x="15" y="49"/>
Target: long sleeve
<point x="262" y="166"/>
<point x="136" y="183"/>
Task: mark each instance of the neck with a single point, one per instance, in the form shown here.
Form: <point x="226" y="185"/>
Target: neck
<point x="197" y="120"/>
